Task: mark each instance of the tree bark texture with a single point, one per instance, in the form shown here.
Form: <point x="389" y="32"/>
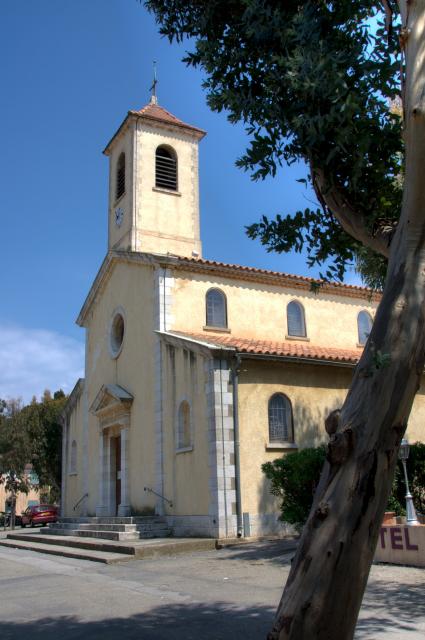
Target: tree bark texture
<point x="329" y="573"/>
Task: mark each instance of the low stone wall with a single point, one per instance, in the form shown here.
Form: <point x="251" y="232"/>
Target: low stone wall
<point x="192" y="526"/>
<point x="265" y="524"/>
<point x="400" y="544"/>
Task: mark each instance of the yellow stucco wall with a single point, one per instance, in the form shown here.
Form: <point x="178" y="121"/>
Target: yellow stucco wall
<point x="154" y="220"/>
<point x="22" y="499"/>
<point x="258" y="311"/>
<point x="166" y="222"/>
<point x="314" y="391"/>
<point x="416" y="425"/>
<point x="121" y="236"/>
<point x="131" y="289"/>
<point x="74" y="478"/>
<point x="186" y="472"/>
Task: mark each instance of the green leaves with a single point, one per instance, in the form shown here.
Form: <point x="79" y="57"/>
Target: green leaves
<point x="294" y="479"/>
<point x="311" y="81"/>
<point x="32" y="435"/>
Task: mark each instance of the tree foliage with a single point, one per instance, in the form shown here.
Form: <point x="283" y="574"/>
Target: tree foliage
<point x="311" y="81"/>
<point x="32" y="435"/>
<point x="15" y="447"/>
<point x="294" y="478"/>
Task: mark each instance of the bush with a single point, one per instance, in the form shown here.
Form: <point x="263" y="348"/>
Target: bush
<point x="295" y="476"/>
<point x="416" y="476"/>
<point x="294" y="479"/>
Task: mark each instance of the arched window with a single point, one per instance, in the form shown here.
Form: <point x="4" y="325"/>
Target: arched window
<point x="280" y="419"/>
<point x="183" y="425"/>
<point x="364" y="326"/>
<point x="166" y="168"/>
<point x="216" y="308"/>
<point x="296" y="319"/>
<point x="73" y="461"/>
<point x="120" y="183"/>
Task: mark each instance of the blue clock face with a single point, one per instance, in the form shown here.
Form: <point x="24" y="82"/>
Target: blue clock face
<point x="119" y="215"/>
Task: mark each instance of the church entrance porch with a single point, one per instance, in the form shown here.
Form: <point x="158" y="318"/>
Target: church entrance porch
<point x="112" y="407"/>
<point x="113" y="494"/>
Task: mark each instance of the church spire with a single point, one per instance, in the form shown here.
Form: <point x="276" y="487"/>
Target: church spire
<point x="154" y="98"/>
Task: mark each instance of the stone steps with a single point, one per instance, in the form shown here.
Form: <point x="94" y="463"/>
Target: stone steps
<point x="112" y="520"/>
<point x="106" y="551"/>
<point x="73" y="542"/>
<point x="97" y="533"/>
<point x="95" y="555"/>
<point x="117" y="529"/>
<point x="86" y="526"/>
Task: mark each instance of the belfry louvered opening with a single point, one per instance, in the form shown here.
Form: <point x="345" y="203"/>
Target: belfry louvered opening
<point x="120" y="184"/>
<point x="166" y="168"/>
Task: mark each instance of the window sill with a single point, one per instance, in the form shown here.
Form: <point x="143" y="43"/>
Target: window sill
<point x="184" y="449"/>
<point x="302" y="338"/>
<point x="216" y="329"/>
<point x="360" y="346"/>
<point x="280" y="446"/>
<point x="171" y="192"/>
<point x="73" y="473"/>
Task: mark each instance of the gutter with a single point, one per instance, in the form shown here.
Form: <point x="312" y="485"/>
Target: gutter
<point x="298" y="360"/>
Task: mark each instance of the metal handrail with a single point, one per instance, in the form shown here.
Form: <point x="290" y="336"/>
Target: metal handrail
<point x="159" y="495"/>
<point x="86" y="495"/>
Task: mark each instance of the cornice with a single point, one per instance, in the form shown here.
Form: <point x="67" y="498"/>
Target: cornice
<point x="235" y="272"/>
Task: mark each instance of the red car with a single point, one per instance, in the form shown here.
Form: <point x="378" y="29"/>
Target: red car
<point x="40" y="514"/>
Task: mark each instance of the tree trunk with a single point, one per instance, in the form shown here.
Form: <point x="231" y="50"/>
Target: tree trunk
<point x="329" y="573"/>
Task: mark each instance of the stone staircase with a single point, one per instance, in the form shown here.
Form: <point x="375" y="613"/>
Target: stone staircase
<point x="106" y="540"/>
<point x="103" y="539"/>
<point x="119" y="529"/>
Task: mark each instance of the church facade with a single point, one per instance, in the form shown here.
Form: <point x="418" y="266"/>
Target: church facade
<point x="196" y="372"/>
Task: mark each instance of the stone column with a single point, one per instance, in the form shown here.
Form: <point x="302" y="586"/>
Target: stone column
<point x="102" y="505"/>
<point x="124" y="508"/>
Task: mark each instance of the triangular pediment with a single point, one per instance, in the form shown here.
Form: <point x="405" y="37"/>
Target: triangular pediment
<point x="109" y="397"/>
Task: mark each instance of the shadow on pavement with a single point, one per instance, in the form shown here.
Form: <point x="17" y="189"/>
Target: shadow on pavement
<point x="277" y="551"/>
<point x="219" y="621"/>
<point x="392" y="607"/>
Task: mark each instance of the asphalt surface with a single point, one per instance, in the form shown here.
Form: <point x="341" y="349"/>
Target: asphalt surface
<point x="229" y="594"/>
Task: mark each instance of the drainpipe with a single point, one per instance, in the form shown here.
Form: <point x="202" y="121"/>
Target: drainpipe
<point x="235" y="382"/>
<point x="226" y="525"/>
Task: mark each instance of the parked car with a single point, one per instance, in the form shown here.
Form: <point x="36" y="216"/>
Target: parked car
<point x="40" y="514"/>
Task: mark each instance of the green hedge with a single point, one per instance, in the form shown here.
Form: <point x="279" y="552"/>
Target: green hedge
<point x="295" y="476"/>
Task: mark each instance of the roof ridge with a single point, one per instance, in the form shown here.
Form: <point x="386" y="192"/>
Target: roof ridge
<point x="155" y="107"/>
<point x="160" y="114"/>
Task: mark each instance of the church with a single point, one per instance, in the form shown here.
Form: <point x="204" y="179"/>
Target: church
<point x="196" y="371"/>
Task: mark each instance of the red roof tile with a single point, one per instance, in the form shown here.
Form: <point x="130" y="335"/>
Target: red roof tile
<point x="153" y="111"/>
<point x="343" y="288"/>
<point x="274" y="348"/>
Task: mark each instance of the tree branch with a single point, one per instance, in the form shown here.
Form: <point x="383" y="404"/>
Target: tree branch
<point x="388" y="17"/>
<point x="352" y="220"/>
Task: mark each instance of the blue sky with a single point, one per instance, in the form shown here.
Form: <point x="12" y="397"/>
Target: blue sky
<point x="69" y="73"/>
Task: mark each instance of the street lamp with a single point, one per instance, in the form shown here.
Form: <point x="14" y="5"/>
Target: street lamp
<point x="403" y="454"/>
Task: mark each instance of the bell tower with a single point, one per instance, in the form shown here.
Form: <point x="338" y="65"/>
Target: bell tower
<point x="154" y="184"/>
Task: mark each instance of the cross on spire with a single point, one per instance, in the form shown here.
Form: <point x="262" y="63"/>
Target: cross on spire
<point x="154" y="98"/>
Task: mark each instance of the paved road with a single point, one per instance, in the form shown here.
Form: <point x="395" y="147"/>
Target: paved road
<point x="217" y="595"/>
